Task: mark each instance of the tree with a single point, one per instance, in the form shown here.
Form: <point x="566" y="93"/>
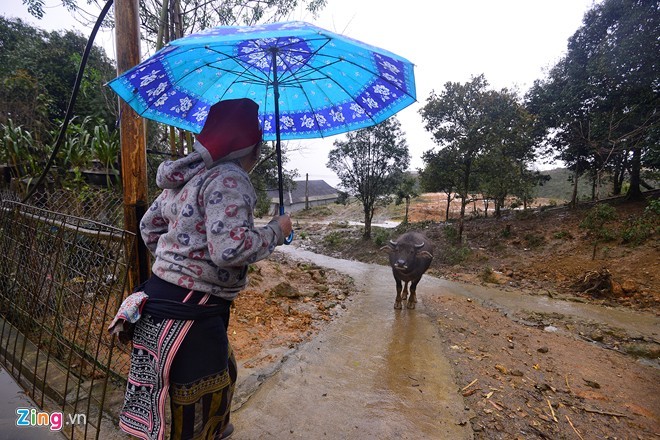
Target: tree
<point x="38" y="70"/>
<point x="162" y="21"/>
<point x="599" y="103"/>
<point x="509" y="147"/>
<point x="440" y="174"/>
<point x="455" y="119"/>
<point x="370" y="164"/>
<point x="406" y="190"/>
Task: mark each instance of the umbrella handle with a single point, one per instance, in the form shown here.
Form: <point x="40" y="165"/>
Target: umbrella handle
<point x="289" y="239"/>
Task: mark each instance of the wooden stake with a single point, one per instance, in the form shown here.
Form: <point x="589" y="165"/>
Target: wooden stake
<point x="574" y="429"/>
<point x="469" y="385"/>
<point x="552" y="411"/>
<point x="605" y="413"/>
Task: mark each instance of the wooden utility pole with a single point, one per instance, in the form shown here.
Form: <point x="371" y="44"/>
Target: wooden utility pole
<point x="133" y="141"/>
<point x="306" y="191"/>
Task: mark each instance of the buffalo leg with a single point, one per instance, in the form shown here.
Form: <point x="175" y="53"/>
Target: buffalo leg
<point x="404" y="294"/>
<point x="413" y="294"/>
<point x="399" y="287"/>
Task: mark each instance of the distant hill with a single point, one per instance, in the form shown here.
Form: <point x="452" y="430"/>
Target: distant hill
<point x="560" y="188"/>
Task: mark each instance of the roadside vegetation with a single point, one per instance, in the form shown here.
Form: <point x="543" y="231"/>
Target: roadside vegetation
<point x="603" y="252"/>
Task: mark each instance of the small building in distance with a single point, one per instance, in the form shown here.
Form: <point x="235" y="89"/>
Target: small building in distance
<point x="304" y="193"/>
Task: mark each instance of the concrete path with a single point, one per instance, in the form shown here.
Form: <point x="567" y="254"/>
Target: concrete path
<point x="13" y="397"/>
<point x="376" y="373"/>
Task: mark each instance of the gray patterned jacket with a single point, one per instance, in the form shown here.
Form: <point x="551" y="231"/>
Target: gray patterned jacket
<point x="201" y="227"/>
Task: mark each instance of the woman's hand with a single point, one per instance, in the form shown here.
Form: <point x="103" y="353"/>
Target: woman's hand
<point x="284" y="221"/>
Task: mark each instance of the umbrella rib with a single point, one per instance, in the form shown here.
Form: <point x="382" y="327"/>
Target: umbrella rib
<point x="369" y="114"/>
<point x="291" y="73"/>
<point x="237" y="60"/>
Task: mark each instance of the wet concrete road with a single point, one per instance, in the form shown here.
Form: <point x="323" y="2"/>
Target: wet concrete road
<point x="13" y="397"/>
<point x="377" y="373"/>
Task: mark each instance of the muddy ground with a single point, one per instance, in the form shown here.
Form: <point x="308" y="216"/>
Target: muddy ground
<point x="522" y="376"/>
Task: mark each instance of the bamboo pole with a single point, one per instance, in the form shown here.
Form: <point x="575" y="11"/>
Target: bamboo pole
<point x="133" y="141"/>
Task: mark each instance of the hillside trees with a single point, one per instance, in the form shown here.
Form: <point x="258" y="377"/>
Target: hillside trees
<point x="38" y="70"/>
<point x="370" y="164"/>
<point x="599" y="104"/>
<point x="486" y="142"/>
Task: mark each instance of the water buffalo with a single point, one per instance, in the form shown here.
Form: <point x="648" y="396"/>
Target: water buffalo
<point x="410" y="255"/>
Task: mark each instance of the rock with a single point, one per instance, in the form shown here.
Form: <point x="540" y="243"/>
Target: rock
<point x="617" y="289"/>
<point x="543" y="350"/>
<point x="597" y="336"/>
<point x="591" y="383"/>
<point x="629" y="286"/>
<point x="285" y="290"/>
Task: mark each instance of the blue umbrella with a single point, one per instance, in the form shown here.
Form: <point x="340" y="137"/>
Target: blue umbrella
<point x="308" y="82"/>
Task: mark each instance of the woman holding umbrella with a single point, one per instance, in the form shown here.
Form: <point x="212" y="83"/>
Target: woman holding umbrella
<point x="201" y="231"/>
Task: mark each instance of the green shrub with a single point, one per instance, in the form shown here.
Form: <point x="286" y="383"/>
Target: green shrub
<point x="381" y="236"/>
<point x="451" y="234"/>
<point x="455" y="254"/>
<point x="596" y="220"/>
<point x="487" y="275"/>
<point x="333" y="239"/>
<point x="317" y="212"/>
<point x="534" y="240"/>
<point x="560" y="235"/>
<point x="402" y="228"/>
<point x="653" y="208"/>
<point x="637" y="230"/>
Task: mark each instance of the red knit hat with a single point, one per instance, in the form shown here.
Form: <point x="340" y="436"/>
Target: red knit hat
<point x="230" y="131"/>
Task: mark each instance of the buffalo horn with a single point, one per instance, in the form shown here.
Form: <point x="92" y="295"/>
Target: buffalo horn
<point x="419" y="246"/>
<point x="393" y="243"/>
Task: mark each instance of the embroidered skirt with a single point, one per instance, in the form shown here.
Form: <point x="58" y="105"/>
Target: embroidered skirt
<point x="180" y="349"/>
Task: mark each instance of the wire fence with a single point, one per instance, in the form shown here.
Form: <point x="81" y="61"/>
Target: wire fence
<point x="62" y="278"/>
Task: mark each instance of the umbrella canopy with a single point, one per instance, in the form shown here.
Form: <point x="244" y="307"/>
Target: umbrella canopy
<point x="327" y="83"/>
<point x="307" y="81"/>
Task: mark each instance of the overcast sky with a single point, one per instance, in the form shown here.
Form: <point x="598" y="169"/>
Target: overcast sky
<point x="512" y="42"/>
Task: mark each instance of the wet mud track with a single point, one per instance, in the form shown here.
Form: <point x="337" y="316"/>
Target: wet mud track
<point x="375" y="373"/>
<point x="380" y="373"/>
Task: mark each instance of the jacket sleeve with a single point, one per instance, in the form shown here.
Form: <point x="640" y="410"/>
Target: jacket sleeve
<point x="153" y="224"/>
<point x="232" y="238"/>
